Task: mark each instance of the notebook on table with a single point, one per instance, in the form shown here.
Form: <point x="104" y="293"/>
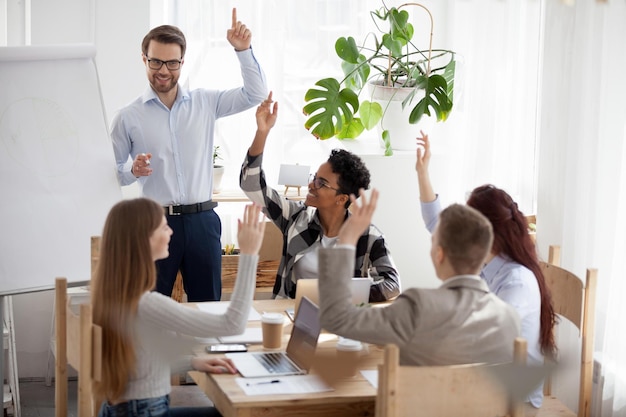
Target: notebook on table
<point x="296" y="360"/>
<point x="359" y="287"/>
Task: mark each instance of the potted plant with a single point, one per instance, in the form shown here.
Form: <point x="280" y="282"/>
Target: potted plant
<point x="218" y="170"/>
<point x="383" y="74"/>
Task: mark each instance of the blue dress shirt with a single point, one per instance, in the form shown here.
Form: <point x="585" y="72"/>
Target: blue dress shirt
<point x="180" y="139"/>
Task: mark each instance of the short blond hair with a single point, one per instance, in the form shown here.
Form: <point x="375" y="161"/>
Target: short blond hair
<point x="466" y="237"/>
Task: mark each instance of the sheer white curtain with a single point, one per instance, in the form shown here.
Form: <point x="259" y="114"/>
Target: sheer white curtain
<point x="582" y="165"/>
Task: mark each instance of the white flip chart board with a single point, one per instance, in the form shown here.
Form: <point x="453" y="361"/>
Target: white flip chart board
<point x="294" y="175"/>
<point x="57" y="169"/>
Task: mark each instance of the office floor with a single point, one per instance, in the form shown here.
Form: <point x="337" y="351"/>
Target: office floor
<point x="38" y="400"/>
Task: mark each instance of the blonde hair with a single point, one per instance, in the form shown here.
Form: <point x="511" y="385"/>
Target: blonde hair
<point x="125" y="271"/>
<point x="466" y="237"/>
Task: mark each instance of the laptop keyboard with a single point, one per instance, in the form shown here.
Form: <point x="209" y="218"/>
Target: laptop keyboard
<point x="276" y="362"/>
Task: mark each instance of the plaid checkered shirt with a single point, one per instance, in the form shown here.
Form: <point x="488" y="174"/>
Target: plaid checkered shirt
<point x="301" y="229"/>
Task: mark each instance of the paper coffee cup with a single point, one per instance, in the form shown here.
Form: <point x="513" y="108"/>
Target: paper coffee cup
<point x="348" y="352"/>
<point x="272" y="327"/>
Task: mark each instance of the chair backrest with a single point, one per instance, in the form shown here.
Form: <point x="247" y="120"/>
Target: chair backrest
<point x="95" y="253"/>
<point x="79" y="343"/>
<point x="441" y="391"/>
<point x="574" y="300"/>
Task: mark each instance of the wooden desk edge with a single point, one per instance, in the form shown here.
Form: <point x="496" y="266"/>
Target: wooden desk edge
<point x="284" y="404"/>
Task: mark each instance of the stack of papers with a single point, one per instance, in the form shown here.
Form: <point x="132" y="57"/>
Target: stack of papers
<point x="219" y="307"/>
<point x="371" y="376"/>
<point x="292" y="384"/>
<point x="250" y="335"/>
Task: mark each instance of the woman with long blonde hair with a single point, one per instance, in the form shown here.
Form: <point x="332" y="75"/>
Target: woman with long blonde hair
<point x="142" y="329"/>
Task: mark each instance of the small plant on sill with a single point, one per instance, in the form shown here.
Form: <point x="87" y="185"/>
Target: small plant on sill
<point x="229" y="249"/>
<point x="216" y="155"/>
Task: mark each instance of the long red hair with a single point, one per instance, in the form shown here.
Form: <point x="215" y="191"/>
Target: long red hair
<point x="511" y="238"/>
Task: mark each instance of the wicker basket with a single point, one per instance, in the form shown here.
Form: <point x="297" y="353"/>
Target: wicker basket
<point x="265" y="276"/>
<point x="265" y="273"/>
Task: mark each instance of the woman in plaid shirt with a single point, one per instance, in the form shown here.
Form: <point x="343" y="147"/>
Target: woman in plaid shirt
<point x="315" y="223"/>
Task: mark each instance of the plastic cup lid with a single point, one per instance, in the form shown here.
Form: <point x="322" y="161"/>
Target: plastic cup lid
<point x="349" y="344"/>
<point x="272" y="318"/>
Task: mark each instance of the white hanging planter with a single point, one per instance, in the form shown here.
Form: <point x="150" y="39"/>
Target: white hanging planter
<point x="395" y="119"/>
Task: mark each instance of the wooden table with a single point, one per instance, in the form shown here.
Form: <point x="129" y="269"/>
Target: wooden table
<point x="352" y="397"/>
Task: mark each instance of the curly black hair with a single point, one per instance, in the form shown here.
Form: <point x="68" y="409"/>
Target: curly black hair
<point x="353" y="174"/>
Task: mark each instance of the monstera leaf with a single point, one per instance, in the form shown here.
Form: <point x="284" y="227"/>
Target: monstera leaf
<point x="436" y="97"/>
<point x="329" y="108"/>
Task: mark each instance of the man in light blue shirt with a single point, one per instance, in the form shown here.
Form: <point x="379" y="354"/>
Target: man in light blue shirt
<point x="168" y="134"/>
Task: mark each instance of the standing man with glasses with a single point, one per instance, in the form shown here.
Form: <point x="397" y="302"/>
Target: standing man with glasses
<point x="168" y="134"/>
<point x="315" y="223"/>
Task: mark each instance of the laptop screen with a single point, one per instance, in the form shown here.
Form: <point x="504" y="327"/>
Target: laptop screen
<point x="306" y="330"/>
<point x="307" y="287"/>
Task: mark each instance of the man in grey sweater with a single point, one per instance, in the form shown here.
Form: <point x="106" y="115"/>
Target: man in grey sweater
<point x="459" y="322"/>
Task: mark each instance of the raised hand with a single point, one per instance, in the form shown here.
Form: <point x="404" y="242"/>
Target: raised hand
<point x="423" y="154"/>
<point x="238" y="35"/>
<point x="360" y="218"/>
<point x="250" y="230"/>
<point x="266" y="114"/>
<point x="427" y="194"/>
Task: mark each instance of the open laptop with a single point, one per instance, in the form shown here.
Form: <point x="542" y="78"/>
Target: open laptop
<point x="360" y="288"/>
<point x="296" y="360"/>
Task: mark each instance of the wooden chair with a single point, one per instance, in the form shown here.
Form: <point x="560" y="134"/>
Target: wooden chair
<point x="574" y="300"/>
<point x="79" y="343"/>
<point x="442" y="391"/>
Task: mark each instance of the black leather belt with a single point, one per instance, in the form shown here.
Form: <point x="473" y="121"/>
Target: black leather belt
<point x="178" y="209"/>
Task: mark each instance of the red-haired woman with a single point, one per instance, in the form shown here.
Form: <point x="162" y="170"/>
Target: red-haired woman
<point x="512" y="269"/>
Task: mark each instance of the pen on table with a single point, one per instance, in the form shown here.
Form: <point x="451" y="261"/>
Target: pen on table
<point x="273" y="381"/>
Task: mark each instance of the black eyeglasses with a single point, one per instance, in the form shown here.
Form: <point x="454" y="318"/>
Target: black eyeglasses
<point x="156" y="64"/>
<point x="319" y="183"/>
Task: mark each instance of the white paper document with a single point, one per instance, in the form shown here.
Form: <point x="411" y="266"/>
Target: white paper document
<point x="250" y="335"/>
<point x="371" y="375"/>
<point x="219" y="307"/>
<point x="293" y="384"/>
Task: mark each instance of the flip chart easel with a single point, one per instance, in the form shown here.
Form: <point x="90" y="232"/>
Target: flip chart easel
<point x="293" y="176"/>
<point x="57" y="169"/>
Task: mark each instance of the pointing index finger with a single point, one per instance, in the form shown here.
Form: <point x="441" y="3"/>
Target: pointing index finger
<point x="234" y="24"/>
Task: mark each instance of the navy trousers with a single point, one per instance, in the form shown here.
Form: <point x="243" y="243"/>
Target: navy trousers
<point x="195" y="248"/>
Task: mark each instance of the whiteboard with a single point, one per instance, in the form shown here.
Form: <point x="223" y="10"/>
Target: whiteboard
<point x="57" y="169"/>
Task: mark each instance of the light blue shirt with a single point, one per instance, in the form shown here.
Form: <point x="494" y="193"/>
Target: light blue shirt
<point x="517" y="286"/>
<point x="181" y="139"/>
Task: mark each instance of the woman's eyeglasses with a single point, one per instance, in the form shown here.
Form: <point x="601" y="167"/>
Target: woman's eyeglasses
<point x="319" y="183"/>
